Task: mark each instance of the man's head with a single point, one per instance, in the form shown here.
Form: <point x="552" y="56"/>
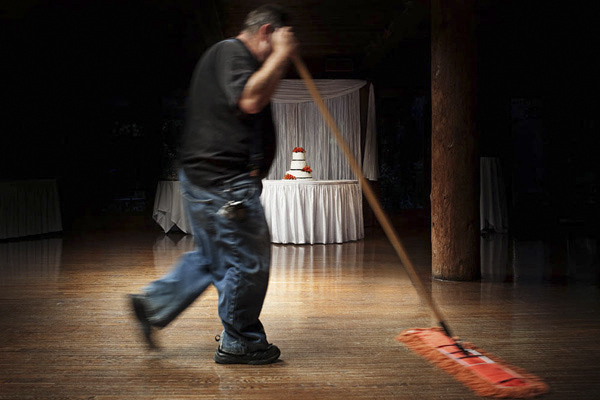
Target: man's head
<point x="271" y="14"/>
<point x="260" y="25"/>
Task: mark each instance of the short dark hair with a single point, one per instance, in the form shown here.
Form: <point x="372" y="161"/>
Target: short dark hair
<point x="272" y="14"/>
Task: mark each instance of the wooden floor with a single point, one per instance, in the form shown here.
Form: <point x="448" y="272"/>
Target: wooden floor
<point x="66" y="331"/>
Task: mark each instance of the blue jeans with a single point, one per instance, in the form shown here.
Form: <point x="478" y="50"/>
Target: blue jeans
<point x="234" y="255"/>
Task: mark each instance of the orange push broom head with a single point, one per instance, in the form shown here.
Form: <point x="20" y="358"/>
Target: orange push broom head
<point x="483" y="373"/>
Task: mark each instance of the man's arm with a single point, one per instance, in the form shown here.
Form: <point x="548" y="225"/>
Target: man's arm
<point x="262" y="84"/>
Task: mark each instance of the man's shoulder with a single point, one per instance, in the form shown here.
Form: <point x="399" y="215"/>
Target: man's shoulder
<point x="220" y="51"/>
<point x="231" y="50"/>
<point x="230" y="45"/>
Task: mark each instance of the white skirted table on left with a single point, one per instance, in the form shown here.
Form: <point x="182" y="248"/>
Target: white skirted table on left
<point x="29" y="207"/>
<point x="308" y="212"/>
<point x="169" y="210"/>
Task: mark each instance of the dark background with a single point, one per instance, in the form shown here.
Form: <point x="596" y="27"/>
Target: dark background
<point x="94" y="92"/>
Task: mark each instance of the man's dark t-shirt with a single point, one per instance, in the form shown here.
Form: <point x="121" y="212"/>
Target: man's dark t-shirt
<point x="220" y="141"/>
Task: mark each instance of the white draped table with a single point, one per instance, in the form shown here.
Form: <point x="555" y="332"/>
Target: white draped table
<point x="168" y="208"/>
<point x="29" y="207"/>
<point x="308" y="212"/>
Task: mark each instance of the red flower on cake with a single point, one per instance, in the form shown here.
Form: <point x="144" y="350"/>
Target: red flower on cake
<point x="307" y="169"/>
<point x="289" y="176"/>
<point x="299" y="150"/>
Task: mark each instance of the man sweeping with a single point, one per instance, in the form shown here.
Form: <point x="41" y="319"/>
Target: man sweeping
<point x="227" y="148"/>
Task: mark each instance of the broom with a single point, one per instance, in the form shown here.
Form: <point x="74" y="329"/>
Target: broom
<point x="484" y="373"/>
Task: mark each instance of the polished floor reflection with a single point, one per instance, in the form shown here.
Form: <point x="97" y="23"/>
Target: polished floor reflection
<point x="34" y="259"/>
<point x="559" y="258"/>
<point x="333" y="309"/>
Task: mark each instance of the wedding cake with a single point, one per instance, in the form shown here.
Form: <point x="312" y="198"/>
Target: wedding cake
<point x="298" y="168"/>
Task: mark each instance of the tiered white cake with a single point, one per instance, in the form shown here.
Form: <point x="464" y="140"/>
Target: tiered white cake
<point x="298" y="168"/>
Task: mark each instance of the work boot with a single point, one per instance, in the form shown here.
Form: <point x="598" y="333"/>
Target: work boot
<point x="141" y="313"/>
<point x="260" y="357"/>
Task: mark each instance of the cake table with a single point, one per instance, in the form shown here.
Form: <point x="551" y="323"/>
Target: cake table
<point x="309" y="212"/>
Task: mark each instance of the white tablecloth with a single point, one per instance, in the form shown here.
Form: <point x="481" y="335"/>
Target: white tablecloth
<point x="492" y="201"/>
<point x="29" y="207"/>
<point x="168" y="208"/>
<point x="303" y="212"/>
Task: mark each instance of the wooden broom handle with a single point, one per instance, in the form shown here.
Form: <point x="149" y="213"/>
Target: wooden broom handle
<point x="368" y="192"/>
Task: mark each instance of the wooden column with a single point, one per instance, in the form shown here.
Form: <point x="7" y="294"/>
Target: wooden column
<point x="454" y="144"/>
